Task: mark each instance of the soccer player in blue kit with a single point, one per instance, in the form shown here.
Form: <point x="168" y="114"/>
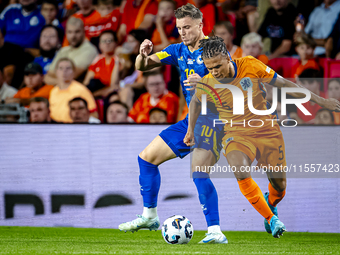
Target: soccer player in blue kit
<point x="169" y="143"/>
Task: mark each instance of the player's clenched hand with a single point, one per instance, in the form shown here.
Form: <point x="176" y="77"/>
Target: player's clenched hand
<point x="189" y="138"/>
<point x="145" y="48"/>
<point x="191" y="82"/>
<point x="332" y="104"/>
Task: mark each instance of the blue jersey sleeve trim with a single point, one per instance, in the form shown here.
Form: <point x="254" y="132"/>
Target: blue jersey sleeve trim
<point x="272" y="82"/>
<point x="235" y="66"/>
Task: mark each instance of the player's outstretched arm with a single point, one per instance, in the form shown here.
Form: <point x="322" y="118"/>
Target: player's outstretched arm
<point x="194" y="112"/>
<point x="330" y="104"/>
<point x="144" y="62"/>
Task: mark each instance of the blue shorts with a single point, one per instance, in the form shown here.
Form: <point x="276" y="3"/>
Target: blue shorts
<point x="206" y="135"/>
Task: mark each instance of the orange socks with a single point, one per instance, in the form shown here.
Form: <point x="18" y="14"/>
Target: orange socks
<point x="252" y="192"/>
<point x="275" y="196"/>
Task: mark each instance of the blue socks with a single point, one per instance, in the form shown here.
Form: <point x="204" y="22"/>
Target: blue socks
<point x="208" y="197"/>
<point x="150" y="181"/>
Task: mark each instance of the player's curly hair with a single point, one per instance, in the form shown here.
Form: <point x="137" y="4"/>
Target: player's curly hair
<point x="212" y="47"/>
<point x="188" y="10"/>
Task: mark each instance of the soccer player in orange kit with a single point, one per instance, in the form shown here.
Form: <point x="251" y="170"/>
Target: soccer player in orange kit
<point x="241" y="143"/>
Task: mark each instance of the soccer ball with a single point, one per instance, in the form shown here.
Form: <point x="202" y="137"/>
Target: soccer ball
<point x="177" y="230"/>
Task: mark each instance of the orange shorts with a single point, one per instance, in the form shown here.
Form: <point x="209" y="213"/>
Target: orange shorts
<point x="267" y="147"/>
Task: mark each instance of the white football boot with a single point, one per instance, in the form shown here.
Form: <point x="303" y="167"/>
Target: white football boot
<point x="218" y="237"/>
<point x="140" y="222"/>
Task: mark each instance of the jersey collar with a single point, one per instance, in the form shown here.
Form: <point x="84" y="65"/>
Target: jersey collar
<point x="235" y="67"/>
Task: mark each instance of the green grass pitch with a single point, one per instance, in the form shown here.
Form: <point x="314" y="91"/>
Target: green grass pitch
<point x="30" y="240"/>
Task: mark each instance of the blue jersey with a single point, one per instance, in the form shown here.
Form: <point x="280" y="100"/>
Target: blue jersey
<point x="19" y="28"/>
<point x="187" y="61"/>
<point x="44" y="63"/>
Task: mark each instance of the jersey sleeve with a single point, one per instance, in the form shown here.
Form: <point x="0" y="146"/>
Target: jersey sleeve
<point x="18" y="94"/>
<point x="90" y="100"/>
<point x="264" y="72"/>
<point x="136" y="109"/>
<point x="204" y="88"/>
<point x="309" y="26"/>
<point x="88" y="55"/>
<point x="168" y="56"/>
<point x="3" y="20"/>
<point x="93" y="65"/>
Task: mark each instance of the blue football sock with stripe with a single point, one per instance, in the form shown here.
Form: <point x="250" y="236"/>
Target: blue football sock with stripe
<point x="150" y="181"/>
<point x="208" y="197"/>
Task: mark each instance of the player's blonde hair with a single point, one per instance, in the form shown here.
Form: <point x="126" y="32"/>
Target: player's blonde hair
<point x="252" y="38"/>
<point x="188" y="10"/>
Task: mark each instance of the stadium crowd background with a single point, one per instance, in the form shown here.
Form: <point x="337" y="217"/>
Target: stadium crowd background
<point x="73" y="61"/>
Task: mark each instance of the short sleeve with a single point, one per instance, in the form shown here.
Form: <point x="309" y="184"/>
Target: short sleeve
<point x="94" y="63"/>
<point x="44" y="91"/>
<point x="18" y="94"/>
<point x="86" y="58"/>
<point x="309" y="26"/>
<point x="2" y="20"/>
<point x="90" y="100"/>
<point x="168" y="56"/>
<point x="263" y="72"/>
<point x="205" y="88"/>
<point x="136" y="109"/>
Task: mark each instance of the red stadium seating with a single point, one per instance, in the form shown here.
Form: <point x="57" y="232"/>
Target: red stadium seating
<point x="332" y="69"/>
<point x="283" y="66"/>
<point x="167" y="74"/>
<point x="322" y="62"/>
<point x="100" y="109"/>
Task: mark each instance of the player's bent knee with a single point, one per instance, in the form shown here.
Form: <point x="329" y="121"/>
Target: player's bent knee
<point x="241" y="174"/>
<point x="157" y="152"/>
<point x="281" y="186"/>
<point x="148" y="156"/>
<point x="144" y="155"/>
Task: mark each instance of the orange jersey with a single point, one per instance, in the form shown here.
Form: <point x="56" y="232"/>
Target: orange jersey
<point x="237" y="53"/>
<point x="298" y="68"/>
<point x="140" y="111"/>
<point x="102" y="71"/>
<point x="133" y="15"/>
<point x="264" y="59"/>
<point x="94" y="23"/>
<point x="90" y="20"/>
<point x="336" y="118"/>
<point x="26" y="93"/>
<point x="59" y="98"/>
<point x="69" y="4"/>
<point x="170" y="31"/>
<point x="249" y="73"/>
<point x="209" y="19"/>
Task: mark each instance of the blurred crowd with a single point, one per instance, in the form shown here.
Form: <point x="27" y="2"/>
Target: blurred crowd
<point x="73" y="61"/>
